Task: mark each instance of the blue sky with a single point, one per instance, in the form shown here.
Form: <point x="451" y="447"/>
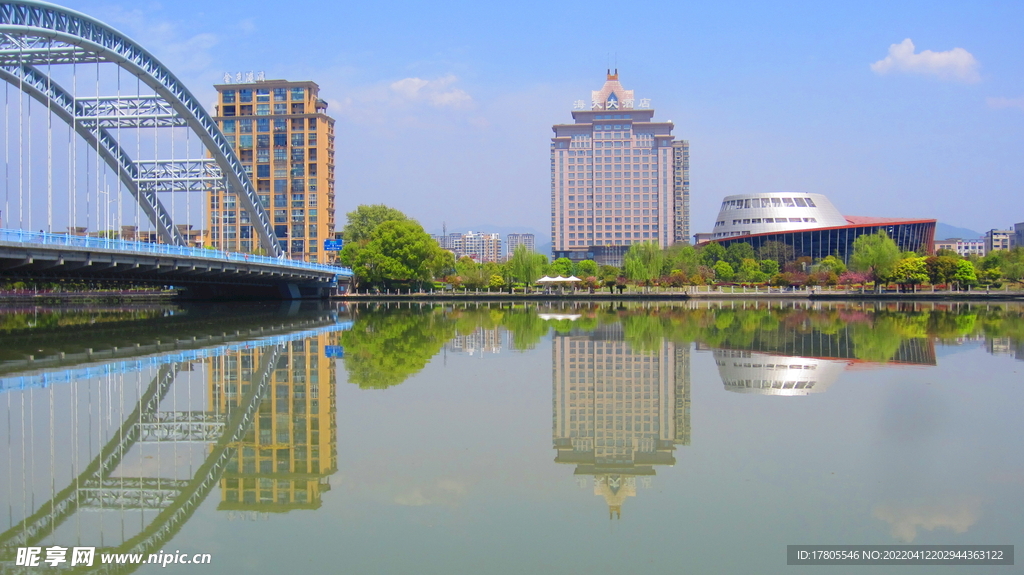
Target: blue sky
<point x="444" y="109"/>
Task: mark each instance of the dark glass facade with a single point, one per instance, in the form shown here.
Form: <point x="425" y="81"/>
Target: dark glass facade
<point x="912" y="236"/>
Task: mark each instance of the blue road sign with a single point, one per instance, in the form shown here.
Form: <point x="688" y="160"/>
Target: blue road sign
<point x="335" y="351"/>
<point x="333" y="245"/>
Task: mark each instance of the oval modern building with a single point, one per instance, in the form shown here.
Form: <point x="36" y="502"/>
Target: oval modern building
<point x="810" y="224"/>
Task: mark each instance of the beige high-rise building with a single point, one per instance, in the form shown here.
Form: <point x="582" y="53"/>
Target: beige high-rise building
<point x="618" y="411"/>
<point x="285" y="140"/>
<point x="618" y="178"/>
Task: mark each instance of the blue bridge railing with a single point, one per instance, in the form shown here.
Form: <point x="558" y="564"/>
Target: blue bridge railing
<point x="51" y="239"/>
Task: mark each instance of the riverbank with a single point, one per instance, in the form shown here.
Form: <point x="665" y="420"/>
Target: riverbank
<point x="693" y="293"/>
<point x="106" y="296"/>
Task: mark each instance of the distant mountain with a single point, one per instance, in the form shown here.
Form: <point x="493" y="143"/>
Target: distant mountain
<point x="946" y="231"/>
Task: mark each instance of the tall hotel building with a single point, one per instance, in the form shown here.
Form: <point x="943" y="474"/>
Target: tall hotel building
<point x="285" y="141"/>
<point x="617" y="178"/>
<point x="618" y="411"/>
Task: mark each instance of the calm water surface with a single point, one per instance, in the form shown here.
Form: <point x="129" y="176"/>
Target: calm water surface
<point x="501" y="438"/>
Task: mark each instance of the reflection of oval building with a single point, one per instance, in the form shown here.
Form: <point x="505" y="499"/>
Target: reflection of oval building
<point x="753" y="372"/>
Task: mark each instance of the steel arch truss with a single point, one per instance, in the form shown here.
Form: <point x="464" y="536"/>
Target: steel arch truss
<point x="36" y="33"/>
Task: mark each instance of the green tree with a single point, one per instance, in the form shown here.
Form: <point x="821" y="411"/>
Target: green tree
<point x="397" y="251"/>
<point x="941" y="269"/>
<point x="711" y="253"/>
<point x="910" y="271"/>
<point x="965" y="275"/>
<point x="562" y="267"/>
<point x="724" y="271"/>
<point x="875" y="253"/>
<point x="737" y="252"/>
<point x="642" y="262"/>
<point x="586" y="268"/>
<point x="750" y="271"/>
<point x="831" y="264"/>
<point x="441" y="263"/>
<point x="524" y="265"/>
<point x="682" y="257"/>
<point x="780" y="252"/>
<point x="769" y="267"/>
<point x="497" y="282"/>
<point x="365" y="218"/>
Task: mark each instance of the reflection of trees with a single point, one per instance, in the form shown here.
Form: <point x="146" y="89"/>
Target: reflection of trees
<point x="386" y="346"/>
<point x="63" y="318"/>
<point x="525" y="326"/>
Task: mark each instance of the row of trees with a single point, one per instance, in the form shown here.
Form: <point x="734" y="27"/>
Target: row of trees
<point x="389" y="250"/>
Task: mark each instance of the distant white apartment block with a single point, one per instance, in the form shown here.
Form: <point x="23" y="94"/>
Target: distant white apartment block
<point x="962" y="247"/>
<point x="998" y="240"/>
<point x="480" y="247"/>
<point x="513" y="241"/>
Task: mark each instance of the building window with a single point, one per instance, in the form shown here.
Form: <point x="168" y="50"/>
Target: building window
<point x="245" y="126"/>
<point x="280" y="109"/>
<point x="245" y="95"/>
<point x="263" y="125"/>
<point x="228" y="126"/>
<point x="262" y="95"/>
<point x="228" y="96"/>
<point x="298" y="94"/>
<point x="280" y="94"/>
<point x="298" y="108"/>
<point x="262" y="109"/>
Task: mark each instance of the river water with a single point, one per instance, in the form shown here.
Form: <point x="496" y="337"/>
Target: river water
<point x="698" y="437"/>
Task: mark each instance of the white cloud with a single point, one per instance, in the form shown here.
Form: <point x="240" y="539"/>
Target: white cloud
<point x="440" y="92"/>
<point x="167" y="40"/>
<point x="956" y="64"/>
<point x="904" y="520"/>
<point x="1005" y="103"/>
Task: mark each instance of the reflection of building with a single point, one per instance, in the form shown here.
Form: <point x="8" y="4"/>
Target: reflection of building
<point x="999" y="345"/>
<point x="284" y="138"/>
<point x="285" y="459"/>
<point x="753" y="372"/>
<point x="617" y="178"/>
<point x="480" y="341"/>
<point x="810" y="225"/>
<point x="793" y="361"/>
<point x="618" y="411"/>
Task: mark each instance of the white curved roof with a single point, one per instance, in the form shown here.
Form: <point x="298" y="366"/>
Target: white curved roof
<point x="761" y="373"/>
<point x="767" y="212"/>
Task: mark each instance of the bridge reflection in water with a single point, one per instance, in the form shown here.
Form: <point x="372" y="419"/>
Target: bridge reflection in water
<point x="119" y="455"/>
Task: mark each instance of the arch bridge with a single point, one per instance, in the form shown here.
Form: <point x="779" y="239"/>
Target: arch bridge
<point x="102" y="140"/>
